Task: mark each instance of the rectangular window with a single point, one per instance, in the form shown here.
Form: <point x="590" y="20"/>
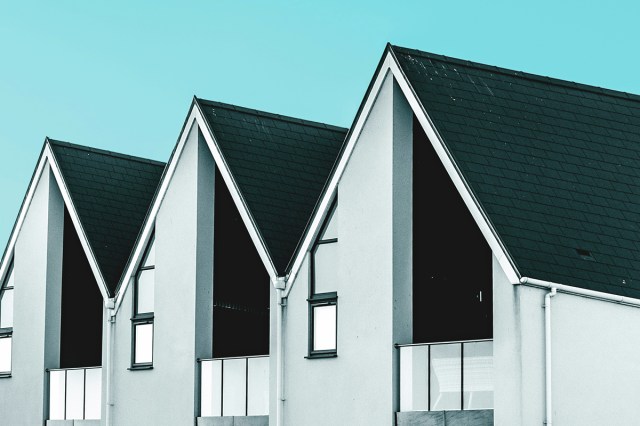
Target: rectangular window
<point x="6" y="322"/>
<point x="323" y="299"/>
<point x="143" y="312"/>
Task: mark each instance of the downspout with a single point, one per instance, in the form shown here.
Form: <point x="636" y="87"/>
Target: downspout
<point x="554" y="288"/>
<point x="111" y="319"/>
<point x="280" y="287"/>
<point x="547" y="354"/>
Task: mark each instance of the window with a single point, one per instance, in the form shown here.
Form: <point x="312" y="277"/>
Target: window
<point x="6" y="323"/>
<point x="323" y="298"/>
<point x="143" y="308"/>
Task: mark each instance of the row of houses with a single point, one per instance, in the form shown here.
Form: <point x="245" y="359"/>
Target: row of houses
<point x="467" y="253"/>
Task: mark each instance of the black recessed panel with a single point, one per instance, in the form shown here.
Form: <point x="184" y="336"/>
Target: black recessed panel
<point x="81" y="321"/>
<point x="240" y="284"/>
<point x="452" y="277"/>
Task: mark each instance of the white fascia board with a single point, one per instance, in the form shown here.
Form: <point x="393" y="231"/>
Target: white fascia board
<point x="102" y="285"/>
<point x="391" y="66"/>
<point x="147" y="227"/>
<point x="47" y="157"/>
<point x="238" y="199"/>
<point x="8" y="254"/>
<point x="329" y="193"/>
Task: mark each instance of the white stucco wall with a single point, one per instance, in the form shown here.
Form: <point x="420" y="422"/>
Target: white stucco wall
<point x="167" y="394"/>
<point x="36" y="317"/>
<point x="359" y="386"/>
<point x="595" y="358"/>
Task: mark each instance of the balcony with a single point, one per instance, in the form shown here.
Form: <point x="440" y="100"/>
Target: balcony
<point x="75" y="394"/>
<point x="446" y="379"/>
<point x="234" y="387"/>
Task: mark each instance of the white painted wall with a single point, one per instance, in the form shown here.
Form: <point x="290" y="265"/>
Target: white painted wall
<point x="359" y="386"/>
<point x="595" y="359"/>
<point x="37" y="296"/>
<point x="167" y="394"/>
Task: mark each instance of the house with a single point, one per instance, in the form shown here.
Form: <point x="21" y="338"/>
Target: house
<point x="466" y="253"/>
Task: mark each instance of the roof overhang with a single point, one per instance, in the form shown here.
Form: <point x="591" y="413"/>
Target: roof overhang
<point x="194" y="117"/>
<point x="47" y="157"/>
<point x="388" y="66"/>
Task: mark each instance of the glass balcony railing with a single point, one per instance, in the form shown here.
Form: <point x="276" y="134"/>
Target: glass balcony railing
<point x="446" y="376"/>
<point x="75" y="393"/>
<point x="234" y="386"/>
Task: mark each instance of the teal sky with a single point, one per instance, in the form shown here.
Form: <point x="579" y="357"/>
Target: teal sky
<point x="120" y="75"/>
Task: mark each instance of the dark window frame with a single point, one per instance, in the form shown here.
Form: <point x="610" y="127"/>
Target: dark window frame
<point x="7" y="332"/>
<point x="321" y="299"/>
<point x="141" y="318"/>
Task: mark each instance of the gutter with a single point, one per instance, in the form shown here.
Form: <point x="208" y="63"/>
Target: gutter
<point x="554" y="289"/>
<point x="111" y="319"/>
<point x="280" y="286"/>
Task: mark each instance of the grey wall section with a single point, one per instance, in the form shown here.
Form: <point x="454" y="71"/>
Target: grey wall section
<point x="595" y="362"/>
<point x="168" y="394"/>
<point x="446" y="418"/>
<point x="37" y="296"/>
<point x="359" y="386"/>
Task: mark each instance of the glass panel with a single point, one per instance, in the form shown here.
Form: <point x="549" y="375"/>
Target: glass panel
<point x="478" y="375"/>
<point x="6" y="309"/>
<point x="151" y="255"/>
<point x="324" y="327"/>
<point x="234" y="391"/>
<point x="325" y="268"/>
<point x="446" y="377"/>
<point x="145" y="291"/>
<point x="258" y="397"/>
<point x="144" y="344"/>
<point x="332" y="227"/>
<point x="75" y="394"/>
<point x="93" y="394"/>
<point x="5" y="355"/>
<point x="414" y="378"/>
<point x="56" y="395"/>
<point x="211" y="391"/>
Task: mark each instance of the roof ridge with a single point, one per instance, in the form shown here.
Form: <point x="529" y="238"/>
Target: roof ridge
<point x="105" y="152"/>
<point x="272" y="115"/>
<point x="522" y="74"/>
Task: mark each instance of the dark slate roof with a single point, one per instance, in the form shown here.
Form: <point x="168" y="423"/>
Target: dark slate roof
<point x="280" y="164"/>
<point x="112" y="194"/>
<point x="554" y="164"/>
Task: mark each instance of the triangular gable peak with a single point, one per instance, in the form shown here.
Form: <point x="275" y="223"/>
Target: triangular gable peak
<point x="79" y="198"/>
<point x="223" y="126"/>
<point x="389" y="67"/>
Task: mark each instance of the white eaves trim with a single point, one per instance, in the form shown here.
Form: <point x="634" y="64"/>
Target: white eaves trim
<point x="390" y="66"/>
<point x="195" y="118"/>
<point x="47" y="157"/>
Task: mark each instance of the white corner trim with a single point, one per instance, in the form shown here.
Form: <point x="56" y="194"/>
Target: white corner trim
<point x="390" y="66"/>
<point x="77" y="224"/>
<point x="328" y="195"/>
<point x="238" y="199"/>
<point x="147" y="227"/>
<point x="8" y="255"/>
<point x="47" y="157"/>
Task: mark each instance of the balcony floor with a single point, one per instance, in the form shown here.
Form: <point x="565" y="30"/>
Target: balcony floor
<point x="445" y="418"/>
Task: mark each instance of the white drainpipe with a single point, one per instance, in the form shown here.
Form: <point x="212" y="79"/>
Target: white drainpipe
<point x="279" y="286"/>
<point x="554" y="288"/>
<point x="111" y="319"/>
<point x="547" y="354"/>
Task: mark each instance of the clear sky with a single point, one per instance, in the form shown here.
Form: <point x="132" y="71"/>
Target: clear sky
<point x="120" y="75"/>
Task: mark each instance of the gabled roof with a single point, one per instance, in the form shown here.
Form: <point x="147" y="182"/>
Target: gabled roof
<point x="552" y="163"/>
<point x="111" y="194"/>
<point x="280" y="164"/>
